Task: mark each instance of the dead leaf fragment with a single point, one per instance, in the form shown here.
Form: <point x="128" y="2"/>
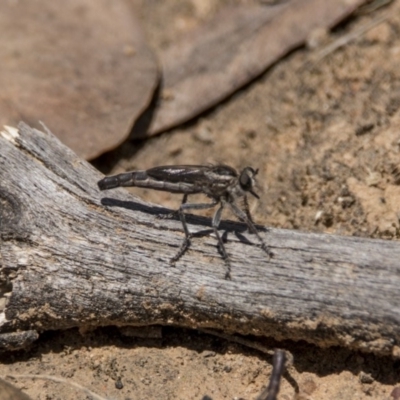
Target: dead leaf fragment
<point x="10" y="392"/>
<point x="232" y="49"/>
<point x="81" y="67"/>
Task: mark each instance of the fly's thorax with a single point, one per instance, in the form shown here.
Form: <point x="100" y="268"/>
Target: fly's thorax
<point x="235" y="191"/>
<point x="215" y="191"/>
<point x="218" y="185"/>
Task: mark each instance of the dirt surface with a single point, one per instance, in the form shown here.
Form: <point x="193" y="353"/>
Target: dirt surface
<point x="325" y="136"/>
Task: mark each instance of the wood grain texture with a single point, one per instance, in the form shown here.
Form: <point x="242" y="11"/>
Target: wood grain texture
<point x="74" y="256"/>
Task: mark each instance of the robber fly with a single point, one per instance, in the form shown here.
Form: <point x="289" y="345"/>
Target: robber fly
<point x="221" y="183"/>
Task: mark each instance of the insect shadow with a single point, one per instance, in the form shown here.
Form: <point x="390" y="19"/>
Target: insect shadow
<point x="228" y="226"/>
<point x="238" y="228"/>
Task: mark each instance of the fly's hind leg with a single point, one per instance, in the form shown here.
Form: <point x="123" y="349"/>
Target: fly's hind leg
<point x="188" y="206"/>
<point x="173" y="214"/>
<point x="215" y="223"/>
<point x="186" y="241"/>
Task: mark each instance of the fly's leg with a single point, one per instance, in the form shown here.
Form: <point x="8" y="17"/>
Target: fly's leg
<point x="247" y="209"/>
<point x="243" y="217"/>
<point x="215" y="223"/>
<point x="173" y="214"/>
<point x="188" y="206"/>
<point x="186" y="241"/>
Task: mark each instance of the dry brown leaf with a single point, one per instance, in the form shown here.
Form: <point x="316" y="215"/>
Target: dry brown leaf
<point x="10" y="392"/>
<point x="232" y="49"/>
<point x="81" y="67"/>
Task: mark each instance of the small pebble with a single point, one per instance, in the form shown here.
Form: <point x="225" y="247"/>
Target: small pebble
<point x="365" y="378"/>
<point x="118" y="384"/>
<point x="208" y="354"/>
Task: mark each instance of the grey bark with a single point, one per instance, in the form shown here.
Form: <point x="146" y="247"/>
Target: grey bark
<point x="72" y="256"/>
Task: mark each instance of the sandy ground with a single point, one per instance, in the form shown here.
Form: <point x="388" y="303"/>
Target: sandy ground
<point x="326" y="138"/>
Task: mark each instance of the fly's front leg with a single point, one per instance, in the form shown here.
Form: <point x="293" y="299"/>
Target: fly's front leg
<point x="243" y="217"/>
<point x="247" y="209"/>
<point x="215" y="223"/>
<point x="188" y="206"/>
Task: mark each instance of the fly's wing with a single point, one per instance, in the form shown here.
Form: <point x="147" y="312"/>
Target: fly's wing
<point x="177" y="173"/>
<point x="200" y="176"/>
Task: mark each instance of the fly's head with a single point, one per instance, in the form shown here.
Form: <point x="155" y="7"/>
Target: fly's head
<point x="247" y="180"/>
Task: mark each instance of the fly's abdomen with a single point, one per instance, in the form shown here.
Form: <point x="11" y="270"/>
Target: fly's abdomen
<point x="127" y="179"/>
<point x="142" y="179"/>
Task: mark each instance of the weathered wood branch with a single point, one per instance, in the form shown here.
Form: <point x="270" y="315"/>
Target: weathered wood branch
<point x="74" y="256"/>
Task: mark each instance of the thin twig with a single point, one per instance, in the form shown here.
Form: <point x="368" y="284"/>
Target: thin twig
<point x="278" y="367"/>
<point x="58" y="380"/>
<point x="239" y="340"/>
<point x="248" y="343"/>
<point x="346" y="39"/>
<point x="368" y="8"/>
<point x="280" y="360"/>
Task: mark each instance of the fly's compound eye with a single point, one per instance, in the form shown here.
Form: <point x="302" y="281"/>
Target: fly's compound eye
<point x="246" y="181"/>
